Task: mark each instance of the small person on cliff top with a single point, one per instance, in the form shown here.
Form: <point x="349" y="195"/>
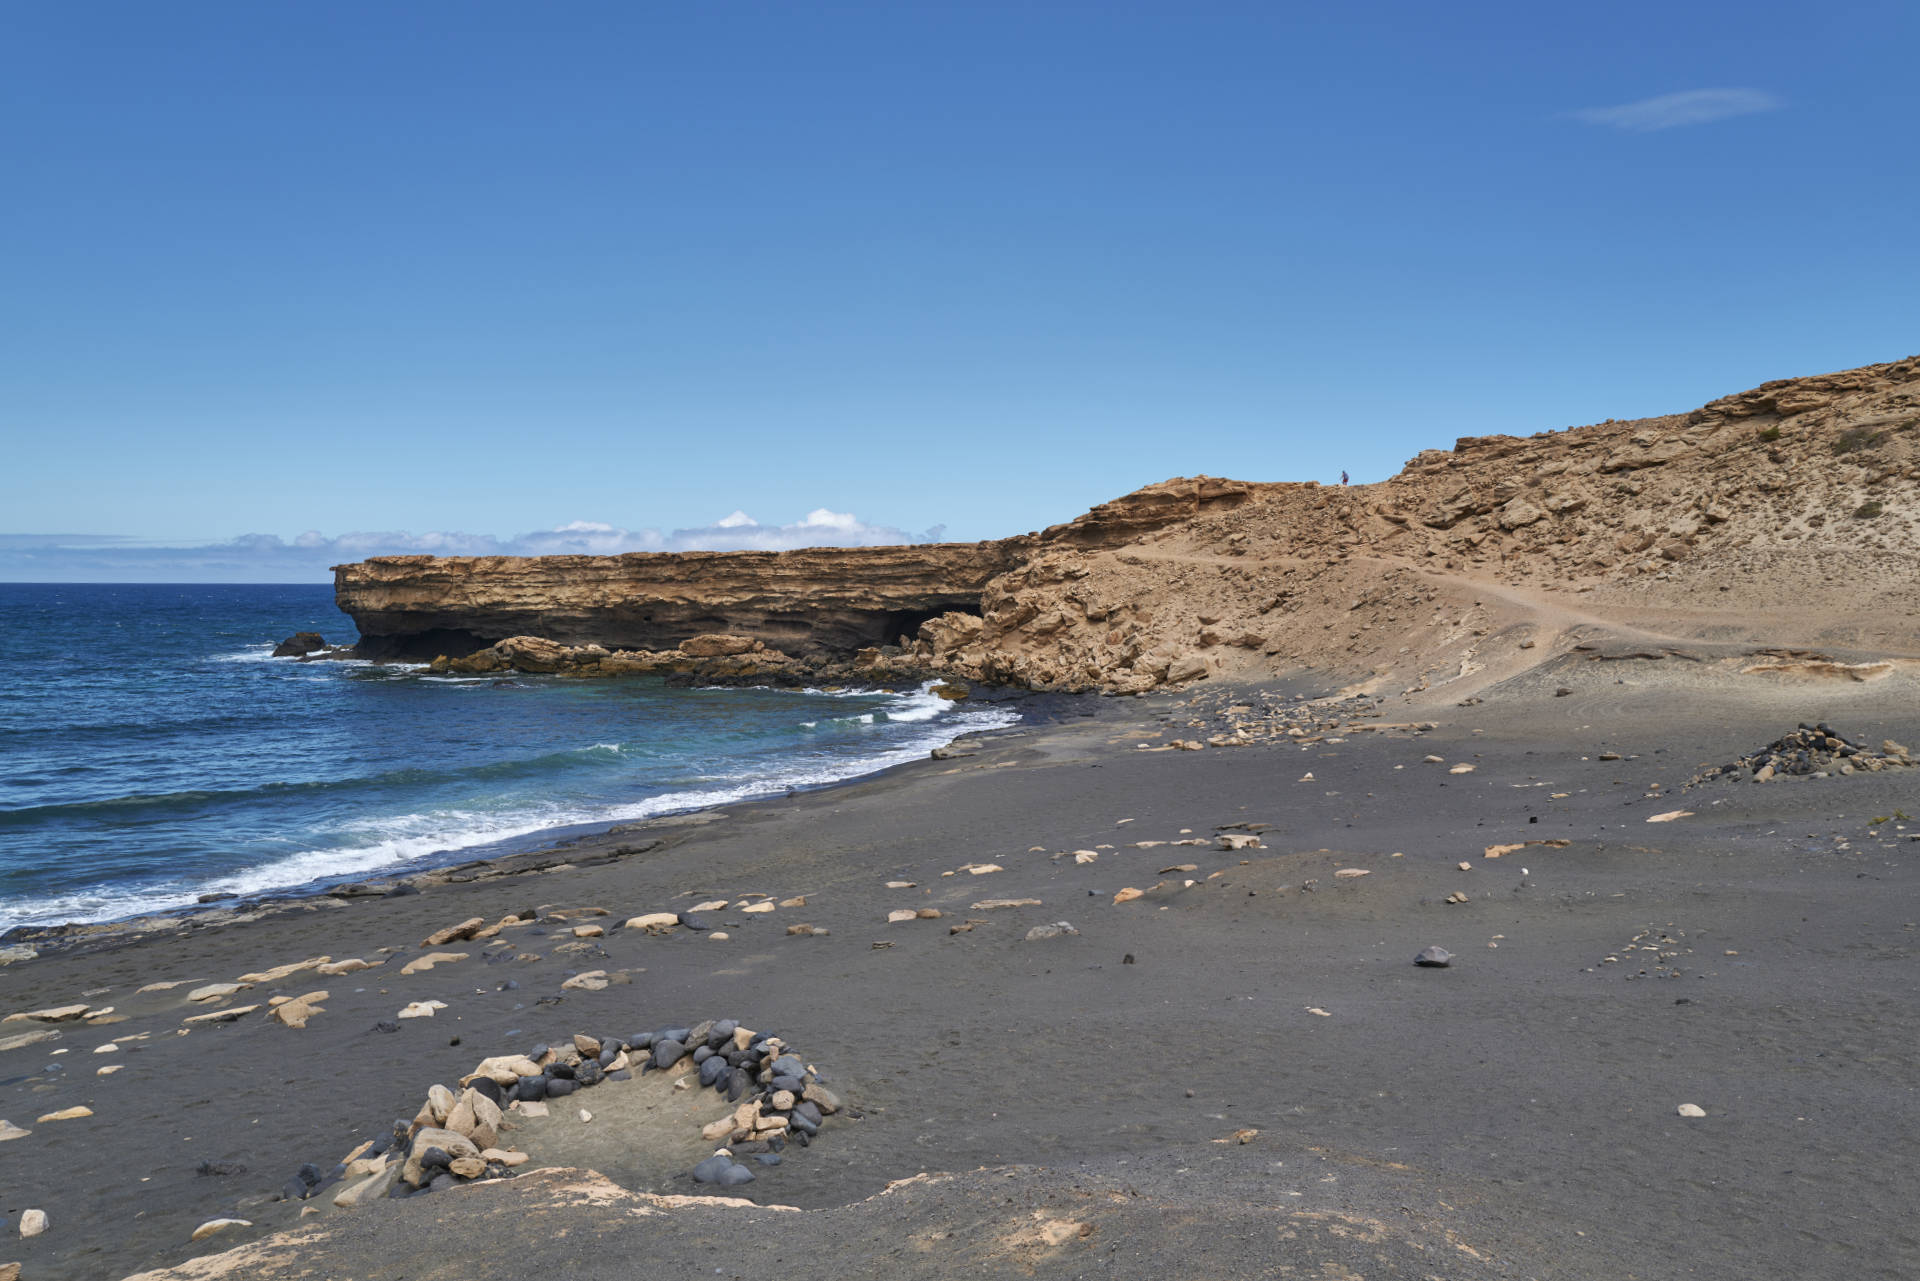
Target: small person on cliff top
<point x="1343" y="478"/>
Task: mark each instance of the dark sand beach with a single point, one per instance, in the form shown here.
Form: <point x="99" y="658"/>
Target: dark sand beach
<point x="1245" y="1076"/>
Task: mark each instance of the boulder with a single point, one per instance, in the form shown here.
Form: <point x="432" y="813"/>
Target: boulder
<point x="429" y="1138"/>
<point x="717" y="645"/>
<point x="212" y="1226"/>
<point x="454" y="933"/>
<point x="299" y="645"/>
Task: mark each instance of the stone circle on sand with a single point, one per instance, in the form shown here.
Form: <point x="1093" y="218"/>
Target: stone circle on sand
<point x="458" y="1137"/>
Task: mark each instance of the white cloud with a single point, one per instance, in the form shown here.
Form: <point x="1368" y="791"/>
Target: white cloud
<point x="270" y="558"/>
<point x="1674" y="110"/>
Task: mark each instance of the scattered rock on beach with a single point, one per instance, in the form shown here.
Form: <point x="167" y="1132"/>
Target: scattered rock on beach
<point x="421" y="964"/>
<point x="53" y="1014"/>
<point x="587" y="981"/>
<point x="1059" y="929"/>
<point x="33" y="1222"/>
<point x="1811" y="750"/>
<point x="454" y="933"/>
<point x="278" y="972"/>
<point x="8" y="1130"/>
<point x="1691" y="1110"/>
<point x="417" y="1009"/>
<point x="221" y="1016"/>
<point x="1434" y="958"/>
<point x="654" y="922"/>
<point x="214" y="991"/>
<point x="296" y="1012"/>
<point x="212" y="1226"/>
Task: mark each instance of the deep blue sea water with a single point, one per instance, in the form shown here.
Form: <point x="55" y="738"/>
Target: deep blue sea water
<point x="151" y="751"/>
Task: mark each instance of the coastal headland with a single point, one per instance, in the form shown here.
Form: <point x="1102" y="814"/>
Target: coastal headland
<point x="1620" y="720"/>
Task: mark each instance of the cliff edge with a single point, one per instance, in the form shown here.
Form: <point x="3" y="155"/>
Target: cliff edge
<point x="1780" y="519"/>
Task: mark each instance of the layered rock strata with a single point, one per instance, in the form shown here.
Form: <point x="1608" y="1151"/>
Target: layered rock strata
<point x="1781" y="516"/>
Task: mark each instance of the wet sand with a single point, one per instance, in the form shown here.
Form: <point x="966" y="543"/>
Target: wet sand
<point x="1512" y="1115"/>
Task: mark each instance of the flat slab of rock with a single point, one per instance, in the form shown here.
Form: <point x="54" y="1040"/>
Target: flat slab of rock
<point x="212" y="1226"/>
<point x="454" y="933"/>
<point x="1059" y="929"/>
<point x="53" y="1014"/>
<point x="221" y="1016"/>
<point x="654" y="921"/>
<point x="214" y="991"/>
<point x="421" y="964"/>
<point x="990" y="904"/>
<point x="279" y="972"/>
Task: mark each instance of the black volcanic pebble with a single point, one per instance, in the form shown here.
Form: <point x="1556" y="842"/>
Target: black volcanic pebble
<point x="805" y="1111"/>
<point x="589" y="1073"/>
<point x="309" y="1173"/>
<point x="561" y="1087"/>
<point x="788" y="1065"/>
<point x="531" y="1089"/>
<point x="386" y="1025"/>
<point x="721" y="1031"/>
<point x="562" y="1070"/>
<point x="295" y="1189"/>
<point x="793" y="1083"/>
<point x="640" y="1041"/>
<point x="712" y="1071"/>
<point x="435" y="1159"/>
<point x="440" y="1183"/>
<point x="381" y="1142"/>
<point x="702" y="1054"/>
<point x="768" y="1158"/>
<point x="739" y="1081"/>
<point x="711" y="1170"/>
<point x="621" y="1075"/>
<point x="608" y="1054"/>
<point x="679" y="1034"/>
<point x="693" y="922"/>
<point x="1434" y="958"/>
<point x="803" y="1125"/>
<point x="668" y="1052"/>
<point x="487" y="1088"/>
<point x="538" y="1052"/>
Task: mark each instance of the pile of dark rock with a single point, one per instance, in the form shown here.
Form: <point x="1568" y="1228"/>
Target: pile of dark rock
<point x="456" y="1138"/>
<point x="1811" y="751"/>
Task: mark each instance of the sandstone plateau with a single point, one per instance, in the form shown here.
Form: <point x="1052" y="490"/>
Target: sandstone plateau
<point x="1769" y="533"/>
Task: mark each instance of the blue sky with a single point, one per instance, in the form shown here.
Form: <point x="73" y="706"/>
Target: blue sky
<point x="291" y="283"/>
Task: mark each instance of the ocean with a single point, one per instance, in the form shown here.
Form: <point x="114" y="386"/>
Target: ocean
<point x="152" y="751"/>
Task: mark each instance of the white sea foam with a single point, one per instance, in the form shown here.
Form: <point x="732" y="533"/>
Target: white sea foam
<point x="377" y="846"/>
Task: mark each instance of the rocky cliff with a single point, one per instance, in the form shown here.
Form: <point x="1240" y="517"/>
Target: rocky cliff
<point x="1780" y="516"/>
<point x="818" y="604"/>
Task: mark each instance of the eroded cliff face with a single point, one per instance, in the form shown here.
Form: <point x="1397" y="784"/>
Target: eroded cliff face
<point x="1784" y="515"/>
<point x="818" y="602"/>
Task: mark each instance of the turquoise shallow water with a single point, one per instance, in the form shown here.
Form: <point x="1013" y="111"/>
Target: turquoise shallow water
<point x="151" y="751"/>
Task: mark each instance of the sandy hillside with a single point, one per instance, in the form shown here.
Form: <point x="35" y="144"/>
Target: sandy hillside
<point x="1781" y="518"/>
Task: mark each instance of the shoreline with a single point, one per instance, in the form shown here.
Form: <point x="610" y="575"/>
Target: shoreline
<point x="1244" y="1042"/>
<point x="542" y="851"/>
